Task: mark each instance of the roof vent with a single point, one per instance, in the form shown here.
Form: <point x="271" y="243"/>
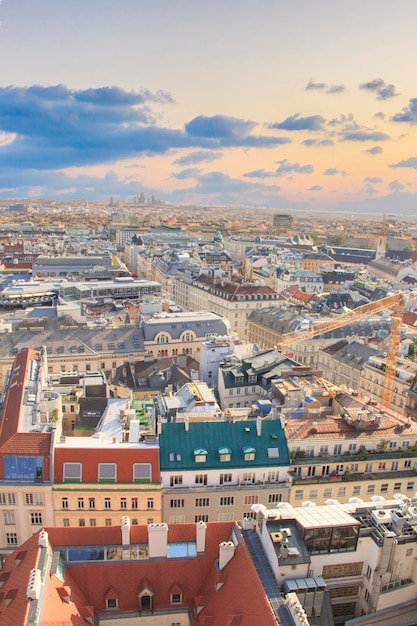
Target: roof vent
<point x="33" y="590"/>
<point x="43" y="539"/>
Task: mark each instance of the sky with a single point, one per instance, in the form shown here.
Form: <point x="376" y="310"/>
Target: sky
<point x="288" y="104"/>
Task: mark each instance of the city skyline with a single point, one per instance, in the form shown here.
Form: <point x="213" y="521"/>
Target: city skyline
<point x="283" y="105"/>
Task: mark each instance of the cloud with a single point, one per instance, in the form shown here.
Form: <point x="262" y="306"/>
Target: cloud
<point x="365" y="136"/>
<point x="190" y="172"/>
<point x="317" y="142"/>
<point x="411" y="163"/>
<point x="193" y="158"/>
<point x="330" y="89"/>
<point x="395" y="185"/>
<point x="383" y="90"/>
<point x="315" y="188"/>
<point x="259" y="174"/>
<point x="374" y="150"/>
<point x="219" y="126"/>
<point x="295" y="122"/>
<point x="373" y="179"/>
<point x="331" y="171"/>
<point x="409" y="114"/>
<point x="380" y="115"/>
<point x="286" y="168"/>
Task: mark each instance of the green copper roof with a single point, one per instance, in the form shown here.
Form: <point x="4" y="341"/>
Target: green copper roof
<point x="178" y="447"/>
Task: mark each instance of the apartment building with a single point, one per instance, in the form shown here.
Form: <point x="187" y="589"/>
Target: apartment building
<point x="350" y="449"/>
<point x="216" y="470"/>
<point x="343" y="363"/>
<point x="30" y="420"/>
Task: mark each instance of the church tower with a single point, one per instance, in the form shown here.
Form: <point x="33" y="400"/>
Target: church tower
<point x="381" y="246"/>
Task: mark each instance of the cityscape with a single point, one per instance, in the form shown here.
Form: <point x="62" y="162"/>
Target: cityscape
<point x="208" y="378"/>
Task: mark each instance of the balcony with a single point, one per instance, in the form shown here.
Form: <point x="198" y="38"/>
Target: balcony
<point x="371" y="455"/>
<point x="353" y="477"/>
<point x="228" y="487"/>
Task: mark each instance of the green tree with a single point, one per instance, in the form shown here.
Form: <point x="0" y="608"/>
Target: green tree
<point x="412" y="351"/>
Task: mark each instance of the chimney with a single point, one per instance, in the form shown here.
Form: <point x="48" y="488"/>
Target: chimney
<point x="226" y="553"/>
<point x="187" y="424"/>
<point x="201" y="528"/>
<point x="258" y="425"/>
<point x="125" y="530"/>
<point x="158" y="540"/>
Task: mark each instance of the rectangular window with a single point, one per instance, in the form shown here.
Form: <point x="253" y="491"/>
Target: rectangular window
<point x="81" y="522"/>
<point x="397" y="486"/>
<point x="150" y="503"/>
<point x="201" y="479"/>
<point x="39" y="498"/>
<point x="392" y="445"/>
<point x="341" y="492"/>
<point x="107" y="503"/>
<point x="227" y="501"/>
<point x="64" y="503"/>
<point x="273" y="477"/>
<point x="249" y="477"/>
<point x="274" y="498"/>
<point x="371" y="489"/>
<point x="407" y="464"/>
<point x="410" y="486"/>
<point x="36" y="518"/>
<point x="123" y="503"/>
<point x="225" y="478"/>
<point x="327" y="492"/>
<point x="107" y="472"/>
<point x="298" y="494"/>
<point x="175" y="481"/>
<point x="91" y="503"/>
<point x="201" y="518"/>
<point x="177" y="503"/>
<point x="141" y="472"/>
<point x="313" y="494"/>
<point x="252" y="499"/>
<point x="92" y="521"/>
<point x="134" y="503"/>
<point x="8" y="517"/>
<point x="394" y="466"/>
<point x="80" y="503"/>
<point x="11" y="539"/>
<point x="28" y="498"/>
<point x="65" y="521"/>
<point x="382" y="465"/>
<point x="72" y="472"/>
<point x="199" y="502"/>
<point x="324" y="449"/>
<point x="107" y="521"/>
<point x="384" y="488"/>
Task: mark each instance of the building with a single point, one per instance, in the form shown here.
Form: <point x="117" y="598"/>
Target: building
<point x="30" y="420"/>
<point x="185" y="574"/>
<point x="283" y="222"/>
<point x="215" y="470"/>
<point x="343" y="363"/>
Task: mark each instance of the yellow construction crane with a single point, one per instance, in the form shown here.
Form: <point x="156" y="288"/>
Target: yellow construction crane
<point x="394" y="302"/>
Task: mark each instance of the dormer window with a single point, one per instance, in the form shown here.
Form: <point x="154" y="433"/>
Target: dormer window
<point x="249" y="453"/>
<point x="111" y="603"/>
<point x="200" y="455"/>
<point x="225" y="454"/>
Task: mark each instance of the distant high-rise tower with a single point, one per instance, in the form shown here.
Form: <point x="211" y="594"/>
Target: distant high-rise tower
<point x="381" y="246"/>
<point x="283" y="222"/>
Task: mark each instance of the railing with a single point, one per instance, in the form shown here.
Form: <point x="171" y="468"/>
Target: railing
<point x="358" y="456"/>
<point x="354" y="476"/>
<point x="227" y="487"/>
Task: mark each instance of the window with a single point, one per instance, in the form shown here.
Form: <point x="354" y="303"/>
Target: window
<point x="177" y="503"/>
<point x="141" y="472"/>
<point x="8" y="518"/>
<point x="200" y="455"/>
<point x="382" y="465"/>
<point x="134" y="503"/>
<point x="227" y="501"/>
<point x="80" y="503"/>
<point x="384" y="488"/>
<point x="354" y="467"/>
<point x="81" y="522"/>
<point x="275" y="497"/>
<point x="313" y="494"/>
<point x="201" y="518"/>
<point x="200" y="502"/>
<point x="273" y="477"/>
<point x="111" y="603"/>
<point x="352" y="447"/>
<point x="341" y="492"/>
<point x="72" y="472"/>
<point x="249" y="454"/>
<point x="36" y="518"/>
<point x="107" y="472"/>
<point x="107" y="521"/>
<point x="392" y="445"/>
<point x="406" y="444"/>
<point x="397" y="486"/>
<point x="29" y="468"/>
<point x="176" y="598"/>
<point x="135" y="521"/>
<point x="225" y="478"/>
<point x="39" y="498"/>
<point x="327" y="492"/>
<point x="28" y="498"/>
<point x="175" y="481"/>
<point x="410" y="486"/>
<point x="91" y="503"/>
<point x="324" y="449"/>
<point x="123" y="503"/>
<point x="253" y="499"/>
<point x="407" y="464"/>
<point x="337" y="450"/>
<point x="65" y="521"/>
<point x="298" y="494"/>
<point x="11" y="539"/>
<point x="64" y="503"/>
<point x="249" y="477"/>
<point x="150" y="503"/>
<point x="92" y="521"/>
<point x="107" y="503"/>
<point x="371" y="489"/>
<point x="201" y="479"/>
<point x="225" y="455"/>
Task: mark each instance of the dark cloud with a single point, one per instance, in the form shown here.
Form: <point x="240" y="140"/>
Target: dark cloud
<point x="409" y="114"/>
<point x="395" y="185"/>
<point x="373" y="179"/>
<point x="193" y="158"/>
<point x="331" y="171"/>
<point x="57" y="127"/>
<point x="374" y="150"/>
<point x="284" y="167"/>
<point x="383" y="90"/>
<point x="190" y="172"/>
<point x="295" y="122"/>
<point x="317" y="142"/>
<point x="411" y="163"/>
<point x="315" y="188"/>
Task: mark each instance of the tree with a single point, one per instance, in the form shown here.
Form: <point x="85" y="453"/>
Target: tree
<point x="412" y="351"/>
